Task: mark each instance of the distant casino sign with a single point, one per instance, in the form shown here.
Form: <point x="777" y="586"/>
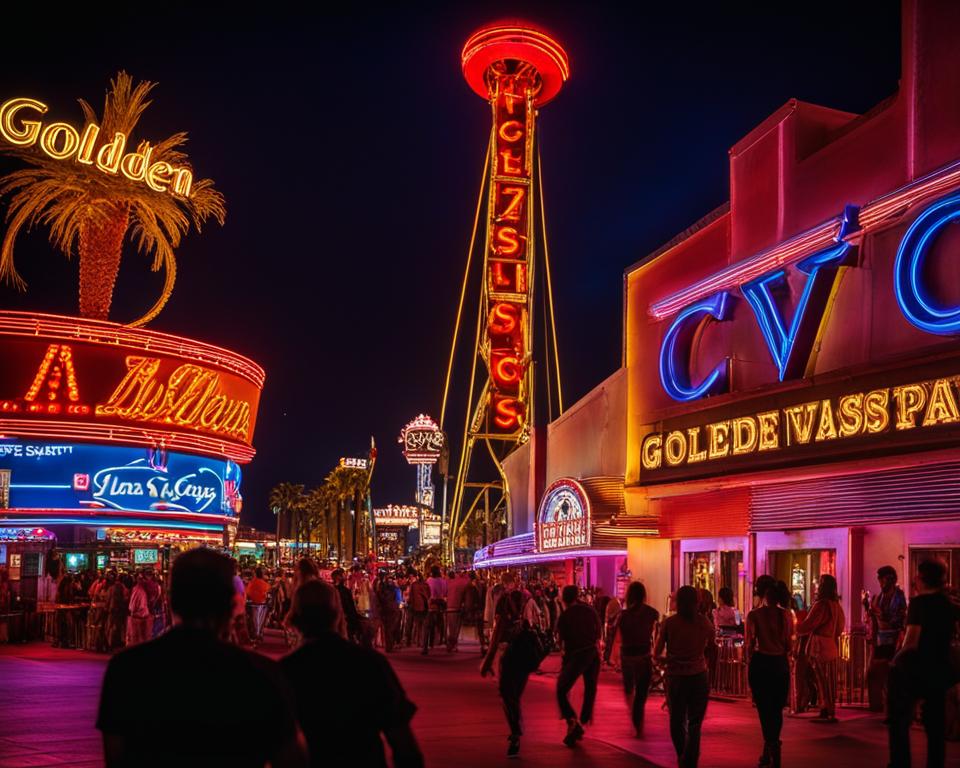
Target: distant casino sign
<point x="563" y="521"/>
<point x="67" y="378"/>
<point x="71" y="477"/>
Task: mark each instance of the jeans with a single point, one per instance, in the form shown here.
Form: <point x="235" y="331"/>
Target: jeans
<point x="907" y="685"/>
<point x="513" y="679"/>
<point x="453" y="629"/>
<point x="587" y="663"/>
<point x="770" y="684"/>
<point x="877" y="674"/>
<point x="637" y="671"/>
<point x="687" y="697"/>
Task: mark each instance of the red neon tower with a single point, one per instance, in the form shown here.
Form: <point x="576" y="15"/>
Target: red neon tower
<point x="516" y="68"/>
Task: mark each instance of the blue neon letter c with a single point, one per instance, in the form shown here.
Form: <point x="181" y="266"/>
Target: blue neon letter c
<point x="675" y="351"/>
<point x="917" y="305"/>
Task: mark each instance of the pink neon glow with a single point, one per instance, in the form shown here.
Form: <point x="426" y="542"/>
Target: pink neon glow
<point x="103" y="433"/>
<point x="558" y="554"/>
<point x="876" y="213"/>
<point x="103" y="332"/>
<point x="10" y="516"/>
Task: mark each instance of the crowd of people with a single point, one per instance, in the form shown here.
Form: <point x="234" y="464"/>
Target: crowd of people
<point x="335" y="618"/>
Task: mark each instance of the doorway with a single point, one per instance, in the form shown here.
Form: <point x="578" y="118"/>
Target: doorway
<point x="800" y="570"/>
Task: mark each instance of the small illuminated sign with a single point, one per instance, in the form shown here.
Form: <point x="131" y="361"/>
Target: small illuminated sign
<point x="422" y="441"/>
<point x="563" y="521"/>
<point x="354" y="463"/>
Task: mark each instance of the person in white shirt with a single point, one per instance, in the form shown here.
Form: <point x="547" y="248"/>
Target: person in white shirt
<point x="139" y="623"/>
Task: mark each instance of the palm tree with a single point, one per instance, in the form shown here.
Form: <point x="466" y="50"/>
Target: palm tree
<point x="287" y="499"/>
<point x="92" y="213"/>
<point x="316" y="507"/>
<point x="358" y="481"/>
<point x="339" y="490"/>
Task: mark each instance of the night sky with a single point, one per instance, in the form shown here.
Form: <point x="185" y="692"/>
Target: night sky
<point x="350" y="149"/>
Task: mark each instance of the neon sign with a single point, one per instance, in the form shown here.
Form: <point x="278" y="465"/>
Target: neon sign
<point x="509" y="244"/>
<point x="422" y="441"/>
<point x="877" y="411"/>
<point x="61" y="141"/>
<point x="563" y="521"/>
<point x="90" y="477"/>
<point x="793" y="345"/>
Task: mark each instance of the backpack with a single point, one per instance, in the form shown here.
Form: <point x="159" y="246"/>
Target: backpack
<point x="527" y="648"/>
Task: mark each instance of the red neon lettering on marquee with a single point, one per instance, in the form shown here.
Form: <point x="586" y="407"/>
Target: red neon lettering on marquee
<point x="508" y="241"/>
<point x="511" y="131"/>
<point x="53" y="378"/>
<point x="507" y="412"/>
<point x="499" y="279"/>
<point x="503" y="319"/>
<point x="511" y="165"/>
<point x="514" y="208"/>
<point x="508" y="100"/>
<point x="506" y="370"/>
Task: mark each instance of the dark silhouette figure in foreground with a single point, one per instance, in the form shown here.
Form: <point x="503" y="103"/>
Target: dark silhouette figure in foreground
<point x="346" y="695"/>
<point x="181" y="699"/>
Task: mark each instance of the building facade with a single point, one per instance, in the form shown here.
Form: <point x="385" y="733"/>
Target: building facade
<point x="792" y="358"/>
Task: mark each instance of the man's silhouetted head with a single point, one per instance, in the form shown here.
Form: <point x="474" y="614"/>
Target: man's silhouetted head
<point x="201" y="588"/>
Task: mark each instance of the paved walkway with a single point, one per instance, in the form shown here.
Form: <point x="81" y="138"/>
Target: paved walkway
<point x="48" y="701"/>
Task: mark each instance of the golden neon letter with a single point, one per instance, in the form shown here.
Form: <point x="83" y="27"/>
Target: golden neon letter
<point x="26" y="133"/>
<point x="651" y="453"/>
<point x="800" y="422"/>
<point x="48" y="140"/>
<point x="183" y="182"/>
<point x="850" y="415"/>
<point x="508" y="241"/>
<point x="158" y="176"/>
<point x="675" y="448"/>
<point x="512" y="166"/>
<point x="512" y="211"/>
<point x="744" y="435"/>
<point x="876" y="411"/>
<point x="769" y="430"/>
<point x="910" y="400"/>
<point x="134" y="166"/>
<point x="827" y="430"/>
<point x="942" y="408"/>
<point x="87" y="143"/>
<point x="719" y="439"/>
<point x="503" y="318"/>
<point x="511" y="131"/>
<point x="109" y="156"/>
<point x="695" y="453"/>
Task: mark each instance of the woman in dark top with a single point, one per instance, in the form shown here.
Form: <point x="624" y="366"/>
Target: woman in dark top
<point x="767" y="643"/>
<point x="922" y="669"/>
<point x="685" y="636"/>
<point x="636" y="625"/>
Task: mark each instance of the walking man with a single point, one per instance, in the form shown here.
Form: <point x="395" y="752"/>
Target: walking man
<point x="579" y="630"/>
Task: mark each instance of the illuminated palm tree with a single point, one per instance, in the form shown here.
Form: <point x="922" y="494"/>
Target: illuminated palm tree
<point x="316" y="505"/>
<point x="93" y="213"/>
<point x="287" y="499"/>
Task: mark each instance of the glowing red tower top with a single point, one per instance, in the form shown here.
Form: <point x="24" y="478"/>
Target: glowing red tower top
<point x="490" y="47"/>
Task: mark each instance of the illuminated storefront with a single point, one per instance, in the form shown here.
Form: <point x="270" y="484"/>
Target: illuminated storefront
<point x="122" y="442"/>
<point x="792" y="357"/>
<point x="401" y="528"/>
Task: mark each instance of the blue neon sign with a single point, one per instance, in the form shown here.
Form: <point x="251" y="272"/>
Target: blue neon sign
<point x="790" y="356"/>
<point x="675" y="351"/>
<point x="915" y="301"/>
<point x="75" y="476"/>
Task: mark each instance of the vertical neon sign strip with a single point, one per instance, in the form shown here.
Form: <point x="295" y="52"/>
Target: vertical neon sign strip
<point x="509" y="248"/>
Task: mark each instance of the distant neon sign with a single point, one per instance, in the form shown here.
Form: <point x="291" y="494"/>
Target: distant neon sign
<point x="563" y="521"/>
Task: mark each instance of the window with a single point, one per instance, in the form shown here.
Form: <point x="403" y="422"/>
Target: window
<point x="716" y="569"/>
<point x="948" y="554"/>
<point x="801" y="569"/>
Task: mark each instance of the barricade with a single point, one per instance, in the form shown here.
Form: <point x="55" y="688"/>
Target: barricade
<point x="730" y="673"/>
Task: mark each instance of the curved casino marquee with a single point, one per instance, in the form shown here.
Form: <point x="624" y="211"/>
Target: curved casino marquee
<point x="112" y="486"/>
<point x="69" y="380"/>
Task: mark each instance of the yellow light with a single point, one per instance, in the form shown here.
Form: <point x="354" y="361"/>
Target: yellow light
<point x="719" y="439"/>
<point x="48" y="140"/>
<point x="675" y="448"/>
<point x="850" y="415"/>
<point x="769" y="423"/>
<point x="26" y="135"/>
<point x="800" y="420"/>
<point x="695" y="453"/>
<point x="909" y="401"/>
<point x="876" y="411"/>
<point x="942" y="408"/>
<point x="651" y="454"/>
<point x="827" y="429"/>
<point x="744" y="435"/>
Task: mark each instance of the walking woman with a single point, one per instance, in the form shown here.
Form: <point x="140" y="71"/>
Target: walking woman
<point x="824" y="624"/>
<point x="767" y="643"/>
<point x="516" y="665"/>
<point x="685" y="636"/>
<point x="636" y="626"/>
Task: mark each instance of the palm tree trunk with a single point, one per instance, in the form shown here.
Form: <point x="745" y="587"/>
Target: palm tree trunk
<point x="358" y="524"/>
<point x="340" y="531"/>
<point x="101" y="243"/>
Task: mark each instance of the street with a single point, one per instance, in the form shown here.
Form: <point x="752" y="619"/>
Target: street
<point x="49" y="698"/>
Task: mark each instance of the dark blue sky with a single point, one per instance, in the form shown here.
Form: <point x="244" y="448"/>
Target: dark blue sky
<point x="349" y="149"/>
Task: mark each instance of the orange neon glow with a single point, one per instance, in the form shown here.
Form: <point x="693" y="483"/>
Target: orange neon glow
<point x="510" y="164"/>
<point x="508" y="241"/>
<point x="507" y="412"/>
<point x="503" y="319"/>
<point x="52" y="378"/>
<point x="510" y="130"/>
<point x="506" y="370"/>
<point x="498" y="277"/>
<point x="515" y="207"/>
